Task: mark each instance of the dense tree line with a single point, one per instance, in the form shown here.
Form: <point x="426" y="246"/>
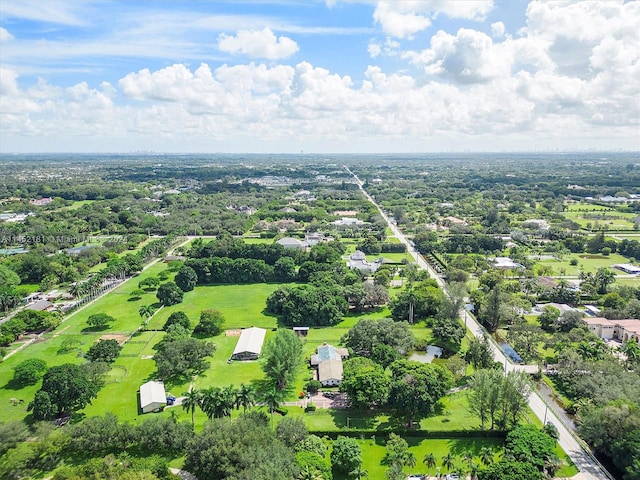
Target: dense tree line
<point x="308" y="305"/>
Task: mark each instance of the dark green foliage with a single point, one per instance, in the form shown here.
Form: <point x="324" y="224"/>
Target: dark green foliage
<point x="548" y="318"/>
<point x="312" y="443"/>
<point x="311" y="460"/>
<point x="100" y="320"/>
<point x="177" y="318"/>
<point x="211" y="323"/>
<point x="8" y="278"/>
<point x="528" y="444"/>
<point x="291" y="431"/>
<point x="68" y="389"/>
<point x="284" y="270"/>
<point x="182" y="358"/>
<point x="346" y="454"/>
<point x="237" y="450"/>
<point x="365" y="382"/>
<point x="384" y="355"/>
<point x="186" y="278"/>
<point x="29" y="371"/>
<point x="416" y="388"/>
<point x="282" y="354"/>
<point x="312" y="386"/>
<point x="508" y="470"/>
<point x="308" y="305"/>
<point x="104" y="351"/>
<point x="227" y="270"/>
<point x="366" y="334"/>
<point x="169" y="294"/>
<point x="479" y="354"/>
<point x="100" y="435"/>
<point x="448" y="330"/>
<point x="423" y="301"/>
<point x="162" y="435"/>
<point x="35" y="321"/>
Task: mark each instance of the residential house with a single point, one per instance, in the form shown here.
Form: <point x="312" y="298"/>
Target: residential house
<point x="328" y="361"/>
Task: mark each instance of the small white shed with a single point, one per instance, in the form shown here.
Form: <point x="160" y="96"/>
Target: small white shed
<point x="152" y="396"/>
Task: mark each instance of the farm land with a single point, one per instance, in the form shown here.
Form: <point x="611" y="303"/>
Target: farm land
<point x="442" y="219"/>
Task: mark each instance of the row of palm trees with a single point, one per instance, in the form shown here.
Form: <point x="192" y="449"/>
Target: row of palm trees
<point x="219" y="402"/>
<point x="448" y="461"/>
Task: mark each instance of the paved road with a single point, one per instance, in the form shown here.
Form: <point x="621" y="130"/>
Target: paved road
<point x="589" y="468"/>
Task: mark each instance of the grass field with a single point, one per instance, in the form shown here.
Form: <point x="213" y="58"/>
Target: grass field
<point x="243" y="306"/>
<point x="586" y="262"/>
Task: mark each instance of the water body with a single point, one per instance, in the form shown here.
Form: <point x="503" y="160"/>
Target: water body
<point x="510" y="352"/>
<point x="427" y="357"/>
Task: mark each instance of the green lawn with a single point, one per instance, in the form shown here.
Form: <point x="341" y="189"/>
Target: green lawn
<point x="373" y="451"/>
<point x="586" y="262"/>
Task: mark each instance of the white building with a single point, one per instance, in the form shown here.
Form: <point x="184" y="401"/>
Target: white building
<point x="249" y="344"/>
<point x="152" y="396"/>
<point x="358" y="260"/>
<point x="291" y="243"/>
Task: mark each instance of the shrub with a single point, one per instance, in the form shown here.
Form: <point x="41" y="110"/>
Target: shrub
<point x="313" y="386"/>
<point x="311" y="407"/>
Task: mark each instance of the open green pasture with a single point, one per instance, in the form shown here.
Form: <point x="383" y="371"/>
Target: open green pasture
<point x="73" y="332"/>
<point x="242" y="305"/>
<point x="373" y="451"/>
<point x="586" y="262"/>
<point x="597" y="215"/>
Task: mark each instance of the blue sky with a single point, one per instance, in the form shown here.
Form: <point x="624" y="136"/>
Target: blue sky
<point x="333" y="76"/>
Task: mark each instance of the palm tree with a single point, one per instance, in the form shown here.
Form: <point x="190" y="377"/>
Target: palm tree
<point x="603" y="278"/>
<point x="486" y="455"/>
<point x="395" y="472"/>
<point x="410" y="460"/>
<point x="467" y="457"/>
<point x="217" y="402"/>
<point x="552" y="464"/>
<point x="632" y="351"/>
<point x="473" y="470"/>
<point x="191" y="401"/>
<point x="359" y="473"/>
<point x="245" y="397"/>
<point x="271" y="397"/>
<point x="146" y="312"/>
<point x="447" y="461"/>
<point x="429" y="460"/>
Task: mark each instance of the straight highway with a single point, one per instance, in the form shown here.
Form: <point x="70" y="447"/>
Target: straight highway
<point x="575" y="448"/>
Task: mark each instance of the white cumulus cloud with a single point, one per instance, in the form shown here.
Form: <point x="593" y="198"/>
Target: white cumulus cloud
<point x="5" y="36"/>
<point x="403" y="19"/>
<point x="258" y="44"/>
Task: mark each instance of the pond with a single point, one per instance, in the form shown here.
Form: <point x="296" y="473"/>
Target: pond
<point x="427" y="356"/>
<point x="510" y="352"/>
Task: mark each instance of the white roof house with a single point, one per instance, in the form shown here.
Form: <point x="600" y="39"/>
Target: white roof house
<point x="289" y="242"/>
<point x="358" y="260"/>
<point x="249" y="344"/>
<point x="152" y="396"/>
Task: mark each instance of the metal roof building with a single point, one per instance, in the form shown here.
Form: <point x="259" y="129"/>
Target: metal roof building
<point x="249" y="344"/>
<point x="152" y="396"/>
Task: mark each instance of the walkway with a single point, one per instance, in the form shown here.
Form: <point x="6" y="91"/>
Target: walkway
<point x="574" y="447"/>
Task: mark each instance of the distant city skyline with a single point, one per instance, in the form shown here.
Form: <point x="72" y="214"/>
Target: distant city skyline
<point x="334" y="76"/>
